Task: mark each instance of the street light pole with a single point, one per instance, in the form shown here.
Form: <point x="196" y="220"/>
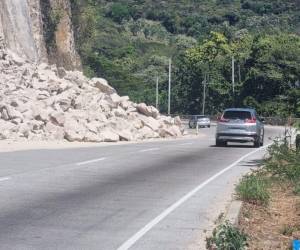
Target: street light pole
<point x="233" y="81"/>
<point x="156" y="92"/>
<point x="169" y="96"/>
<point x="204" y="95"/>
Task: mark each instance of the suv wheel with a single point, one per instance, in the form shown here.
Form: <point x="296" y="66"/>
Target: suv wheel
<point x="220" y="143"/>
<point x="262" y="139"/>
<point x="257" y="143"/>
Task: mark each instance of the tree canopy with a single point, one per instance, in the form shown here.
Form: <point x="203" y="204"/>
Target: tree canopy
<point x="130" y="42"/>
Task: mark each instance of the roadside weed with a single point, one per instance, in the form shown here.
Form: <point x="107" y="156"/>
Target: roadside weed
<point x="253" y="189"/>
<point x="227" y="237"/>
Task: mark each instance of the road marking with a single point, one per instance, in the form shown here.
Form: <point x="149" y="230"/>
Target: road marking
<point x="186" y="144"/>
<point x="149" y="149"/>
<point x="5" y="179"/>
<point x="90" y="161"/>
<point x="137" y="236"/>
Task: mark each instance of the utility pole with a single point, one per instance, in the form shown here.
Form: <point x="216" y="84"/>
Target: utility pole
<point x="169" y="97"/>
<point x="233" y="83"/>
<point x="204" y="95"/>
<point x="156" y="92"/>
<point x="233" y="80"/>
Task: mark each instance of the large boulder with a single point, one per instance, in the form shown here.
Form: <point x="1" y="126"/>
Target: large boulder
<point x="58" y="118"/>
<point x="109" y="136"/>
<point x="54" y="132"/>
<point x="102" y="85"/>
<point x="125" y="135"/>
<point x="93" y="137"/>
<point x="150" y="122"/>
<point x="173" y="131"/>
<point x="7" y="130"/>
<point x="74" y="130"/>
<point x="147" y="110"/>
<point x="147" y="133"/>
<point x="8" y="112"/>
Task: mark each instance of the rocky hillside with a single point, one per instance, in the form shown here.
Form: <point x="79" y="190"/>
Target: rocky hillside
<point x="40" y="31"/>
<point x="42" y="102"/>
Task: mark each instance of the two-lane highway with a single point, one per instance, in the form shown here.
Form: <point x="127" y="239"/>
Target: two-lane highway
<point x="155" y="195"/>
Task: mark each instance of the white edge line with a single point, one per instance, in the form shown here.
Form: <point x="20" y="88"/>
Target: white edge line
<point x="131" y="241"/>
<point x="90" y="161"/>
<point x="149" y="149"/>
<point x="185" y="144"/>
<point x="5" y="179"/>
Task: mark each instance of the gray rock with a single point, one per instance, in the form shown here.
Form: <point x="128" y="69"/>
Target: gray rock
<point x="58" y="118"/>
<point x="147" y="110"/>
<point x="102" y="85"/>
<point x="54" y="132"/>
<point x="150" y="122"/>
<point x="92" y="137"/>
<point x="109" y="136"/>
<point x="8" y="113"/>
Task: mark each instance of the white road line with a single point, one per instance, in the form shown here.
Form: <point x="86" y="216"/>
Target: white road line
<point x="137" y="236"/>
<point x="90" y="161"/>
<point x="5" y="179"/>
<point x="186" y="144"/>
<point x="149" y="149"/>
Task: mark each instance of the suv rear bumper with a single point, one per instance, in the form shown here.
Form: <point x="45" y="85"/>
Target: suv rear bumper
<point x="246" y="137"/>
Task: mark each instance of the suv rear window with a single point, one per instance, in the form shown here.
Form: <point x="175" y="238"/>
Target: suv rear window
<point x="233" y="115"/>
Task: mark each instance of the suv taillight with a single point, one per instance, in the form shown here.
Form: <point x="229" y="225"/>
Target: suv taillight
<point x="253" y="120"/>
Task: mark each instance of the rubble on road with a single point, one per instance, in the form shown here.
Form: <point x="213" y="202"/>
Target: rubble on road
<point x="44" y="102"/>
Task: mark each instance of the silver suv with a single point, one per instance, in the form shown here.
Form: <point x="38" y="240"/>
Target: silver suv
<point x="240" y="125"/>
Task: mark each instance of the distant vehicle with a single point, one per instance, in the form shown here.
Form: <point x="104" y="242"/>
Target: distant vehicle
<point x="202" y="120"/>
<point x="240" y="125"/>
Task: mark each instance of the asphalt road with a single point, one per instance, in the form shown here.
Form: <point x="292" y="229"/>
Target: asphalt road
<point x="155" y="195"/>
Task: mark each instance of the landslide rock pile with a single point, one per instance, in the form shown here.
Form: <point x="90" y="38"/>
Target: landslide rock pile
<point x="42" y="102"/>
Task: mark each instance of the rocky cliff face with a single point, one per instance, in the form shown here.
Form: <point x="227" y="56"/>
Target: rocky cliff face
<point x="61" y="50"/>
<point x="25" y="25"/>
<point x="17" y="28"/>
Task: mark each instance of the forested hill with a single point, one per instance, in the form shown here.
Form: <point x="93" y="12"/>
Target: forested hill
<point x="129" y="43"/>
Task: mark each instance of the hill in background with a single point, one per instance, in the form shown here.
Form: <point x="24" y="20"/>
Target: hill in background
<point x="129" y="42"/>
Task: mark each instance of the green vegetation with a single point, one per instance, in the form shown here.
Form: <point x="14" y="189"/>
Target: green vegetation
<point x="129" y="43"/>
<point x="253" y="188"/>
<point x="284" y="162"/>
<point x="227" y="237"/>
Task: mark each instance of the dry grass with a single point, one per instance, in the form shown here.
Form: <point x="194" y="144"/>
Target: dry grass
<point x="274" y="226"/>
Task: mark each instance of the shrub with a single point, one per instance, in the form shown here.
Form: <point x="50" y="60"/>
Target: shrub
<point x="227" y="237"/>
<point x="253" y="189"/>
<point x="119" y="12"/>
<point x="297" y="189"/>
<point x="283" y="162"/>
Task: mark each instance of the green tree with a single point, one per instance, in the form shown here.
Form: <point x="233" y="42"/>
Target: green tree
<point x="274" y="66"/>
<point x="211" y="61"/>
<point x="119" y="12"/>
